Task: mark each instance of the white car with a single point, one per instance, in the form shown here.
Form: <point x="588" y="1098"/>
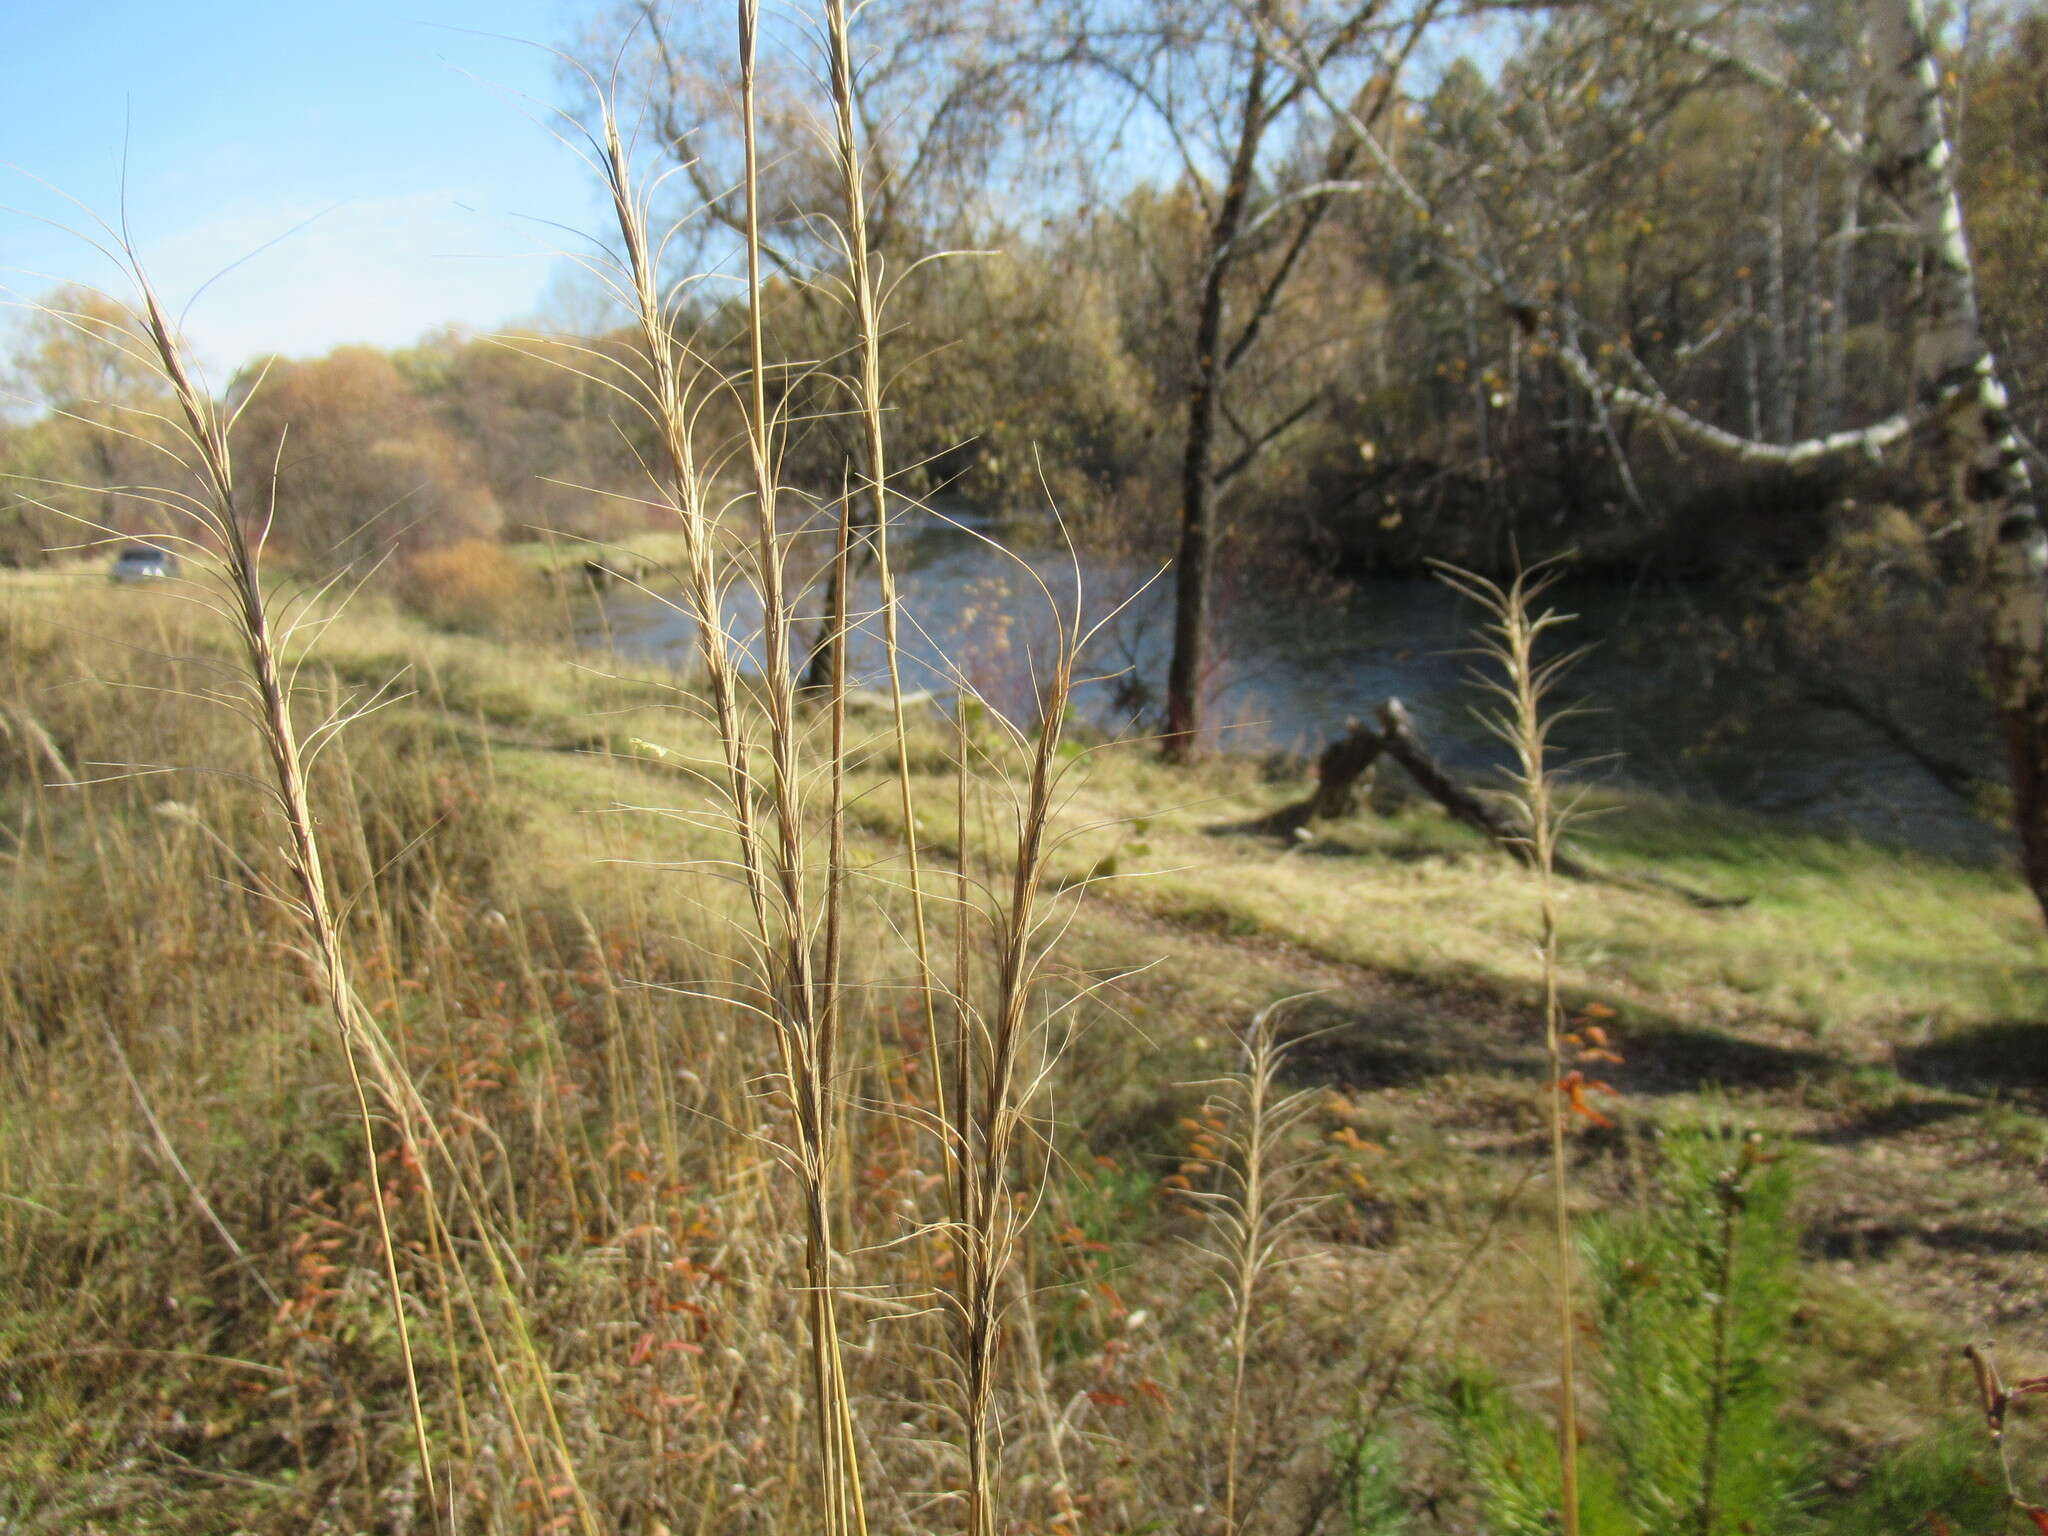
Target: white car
<point x="143" y="562"/>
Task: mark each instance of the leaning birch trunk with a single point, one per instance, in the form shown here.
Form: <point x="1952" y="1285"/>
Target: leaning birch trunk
<point x="1954" y="374"/>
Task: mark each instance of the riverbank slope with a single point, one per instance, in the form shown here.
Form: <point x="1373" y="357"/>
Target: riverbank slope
<point x="192" y="1336"/>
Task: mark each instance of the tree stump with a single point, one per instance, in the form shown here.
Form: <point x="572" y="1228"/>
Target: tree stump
<point x="1343" y="768"/>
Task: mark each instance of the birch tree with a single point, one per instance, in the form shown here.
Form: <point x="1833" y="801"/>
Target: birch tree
<point x="1957" y="409"/>
<point x="1957" y="388"/>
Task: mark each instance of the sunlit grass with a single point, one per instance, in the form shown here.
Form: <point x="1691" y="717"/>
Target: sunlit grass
<point x="491" y="794"/>
<point x="1838" y="933"/>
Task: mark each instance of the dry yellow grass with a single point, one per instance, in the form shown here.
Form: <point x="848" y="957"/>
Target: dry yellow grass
<point x="511" y="912"/>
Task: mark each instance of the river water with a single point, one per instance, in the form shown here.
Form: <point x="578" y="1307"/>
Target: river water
<point x="1295" y="661"/>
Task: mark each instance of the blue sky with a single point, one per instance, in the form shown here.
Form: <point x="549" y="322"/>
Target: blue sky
<point x="410" y="133"/>
<point x="415" y="144"/>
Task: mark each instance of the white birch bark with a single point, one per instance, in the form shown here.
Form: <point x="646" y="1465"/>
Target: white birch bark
<point x="1752" y="369"/>
<point x="1835" y="393"/>
<point x="1954" y="375"/>
<point x="1956" y="382"/>
<point x="1957" y="388"/>
<point x="1778" y="368"/>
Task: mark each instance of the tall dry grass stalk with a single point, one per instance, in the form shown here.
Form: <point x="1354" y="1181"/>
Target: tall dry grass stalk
<point x="983" y="1113"/>
<point x="815" y="1021"/>
<point x="867" y="306"/>
<point x="792" y="960"/>
<point x="1524" y="720"/>
<point x="987" y="1029"/>
<point x="1000" y="1059"/>
<point x="228" y="545"/>
<point x="1258" y="1200"/>
<point x="225" y="542"/>
<point x="222" y="543"/>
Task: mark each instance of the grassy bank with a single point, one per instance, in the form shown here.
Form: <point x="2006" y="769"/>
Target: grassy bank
<point x="193" y="1333"/>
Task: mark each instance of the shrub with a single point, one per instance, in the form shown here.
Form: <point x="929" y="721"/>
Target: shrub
<point x="472" y="585"/>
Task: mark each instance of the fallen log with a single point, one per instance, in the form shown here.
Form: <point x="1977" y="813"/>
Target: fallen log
<point x="1346" y="760"/>
<point x="1490" y="820"/>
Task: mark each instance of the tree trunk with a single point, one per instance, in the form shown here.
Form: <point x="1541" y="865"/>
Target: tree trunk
<point x="1812" y="304"/>
<point x="1988" y="484"/>
<point x="1195" y="563"/>
<point x="823" y="657"/>
<point x="1195" y="560"/>
<point x="1778" y="379"/>
<point x="1752" y="373"/>
<point x="1846" y="233"/>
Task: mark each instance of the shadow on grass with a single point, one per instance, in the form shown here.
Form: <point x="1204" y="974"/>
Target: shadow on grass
<point x="1684" y="1058"/>
<point x="1860" y="1240"/>
<point x="1407" y="1032"/>
<point x="2008" y="1054"/>
<point x="1889" y="1120"/>
<point x="1414" y="850"/>
<point x="1421" y="1033"/>
<point x="1365" y="835"/>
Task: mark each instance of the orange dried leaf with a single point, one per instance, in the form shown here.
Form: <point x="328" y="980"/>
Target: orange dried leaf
<point x="1573" y="1085"/>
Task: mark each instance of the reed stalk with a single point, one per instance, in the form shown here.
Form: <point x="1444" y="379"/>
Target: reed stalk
<point x="795" y="981"/>
<point x="228" y="543"/>
<point x="868" y="326"/>
<point x="1524" y="720"/>
<point x="226" y="540"/>
<point x="1258" y="1200"/>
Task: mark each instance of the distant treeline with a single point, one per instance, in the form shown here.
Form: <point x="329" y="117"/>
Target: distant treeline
<point x="1380" y="408"/>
